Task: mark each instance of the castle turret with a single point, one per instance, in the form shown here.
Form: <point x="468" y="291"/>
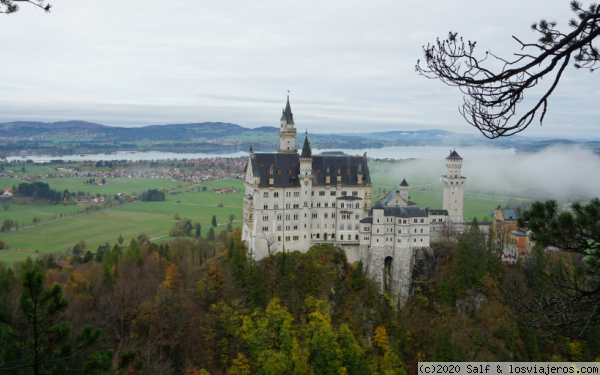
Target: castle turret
<point x="404" y="190"/>
<point x="454" y="185"/>
<point x="287" y="131"/>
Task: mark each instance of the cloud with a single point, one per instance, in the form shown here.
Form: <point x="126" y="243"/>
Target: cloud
<point x="349" y="66"/>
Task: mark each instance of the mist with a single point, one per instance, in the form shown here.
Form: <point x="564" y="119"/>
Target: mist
<point x="563" y="174"/>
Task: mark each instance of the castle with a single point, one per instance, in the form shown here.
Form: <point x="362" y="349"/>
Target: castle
<point x="294" y="201"/>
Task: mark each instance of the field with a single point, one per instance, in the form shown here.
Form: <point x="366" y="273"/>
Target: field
<point x="156" y="218"/>
<point x="152" y="218"/>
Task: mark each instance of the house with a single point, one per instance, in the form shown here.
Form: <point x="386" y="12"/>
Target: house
<point x="7" y="193"/>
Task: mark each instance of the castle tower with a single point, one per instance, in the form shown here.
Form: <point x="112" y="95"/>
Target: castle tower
<point x="287" y="131"/>
<point x="404" y="190"/>
<point x="305" y="177"/>
<point x="454" y="185"/>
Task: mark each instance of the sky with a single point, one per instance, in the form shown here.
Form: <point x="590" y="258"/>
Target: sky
<point x="349" y="65"/>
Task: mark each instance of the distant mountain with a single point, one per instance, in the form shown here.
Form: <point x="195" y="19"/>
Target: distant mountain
<point x="51" y="125"/>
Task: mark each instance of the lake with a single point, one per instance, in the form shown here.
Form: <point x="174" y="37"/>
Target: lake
<point x="396" y="152"/>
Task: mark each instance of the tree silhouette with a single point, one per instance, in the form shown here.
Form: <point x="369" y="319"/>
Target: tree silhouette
<point x="9" y="6"/>
<point x="491" y="98"/>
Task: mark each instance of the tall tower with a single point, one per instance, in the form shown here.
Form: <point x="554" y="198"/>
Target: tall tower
<point x="454" y="185"/>
<point x="305" y="177"/>
<point x="287" y="131"/>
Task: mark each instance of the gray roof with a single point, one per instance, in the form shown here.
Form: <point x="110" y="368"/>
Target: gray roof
<point x="510" y="215"/>
<point x="404" y="183"/>
<point x="286" y="168"/>
<point x="287" y="113"/>
<point x="517" y="233"/>
<point x="454" y="155"/>
<point x="400" y="211"/>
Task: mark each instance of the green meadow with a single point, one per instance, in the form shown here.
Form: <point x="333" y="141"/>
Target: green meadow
<point x="152" y="218"/>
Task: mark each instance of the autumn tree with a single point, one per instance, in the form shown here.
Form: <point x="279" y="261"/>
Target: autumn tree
<point x="36" y="341"/>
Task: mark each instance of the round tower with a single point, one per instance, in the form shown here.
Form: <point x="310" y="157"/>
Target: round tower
<point x="454" y="185"/>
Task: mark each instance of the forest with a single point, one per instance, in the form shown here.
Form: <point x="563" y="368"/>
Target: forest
<point x="196" y="306"/>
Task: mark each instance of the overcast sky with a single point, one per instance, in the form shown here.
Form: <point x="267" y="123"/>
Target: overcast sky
<point x="348" y="64"/>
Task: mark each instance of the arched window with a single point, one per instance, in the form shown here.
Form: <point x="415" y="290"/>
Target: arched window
<point x="357" y="205"/>
<point x="290" y="171"/>
<point x="341" y="226"/>
<point x="278" y="238"/>
<point x="342" y="206"/>
<point x="356" y="227"/>
<point x="356" y="237"/>
<point x="349" y="226"/>
<point x="279" y="171"/>
<point x="342" y="237"/>
<point x="265" y="195"/>
<point x="279" y="228"/>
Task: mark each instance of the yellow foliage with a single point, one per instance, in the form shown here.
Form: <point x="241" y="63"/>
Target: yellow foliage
<point x="381" y="337"/>
<point x="576" y="351"/>
<point x="241" y="366"/>
<point x="172" y="277"/>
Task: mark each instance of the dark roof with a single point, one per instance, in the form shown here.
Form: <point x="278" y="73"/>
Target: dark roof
<point x="287" y="113"/>
<point x="454" y="155"/>
<point x="306" y="151"/>
<point x="400" y="211"/>
<point x="517" y="233"/>
<point x="367" y="220"/>
<point x="377" y="206"/>
<point x="436" y="212"/>
<point x="348" y="198"/>
<point x="345" y="166"/>
<point x="404" y="183"/>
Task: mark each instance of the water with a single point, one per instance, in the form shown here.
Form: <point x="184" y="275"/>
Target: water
<point x="396" y="152"/>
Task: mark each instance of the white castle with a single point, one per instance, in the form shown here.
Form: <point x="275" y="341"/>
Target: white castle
<point x="293" y="202"/>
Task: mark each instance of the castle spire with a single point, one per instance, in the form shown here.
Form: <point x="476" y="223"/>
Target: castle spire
<point x="306" y="151"/>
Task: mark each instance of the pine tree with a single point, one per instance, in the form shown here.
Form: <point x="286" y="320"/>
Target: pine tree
<point x="443" y="351"/>
<point x="464" y="265"/>
<point x="45" y="345"/>
<point x="198" y="231"/>
<point x="356" y="278"/>
<point x="214" y="221"/>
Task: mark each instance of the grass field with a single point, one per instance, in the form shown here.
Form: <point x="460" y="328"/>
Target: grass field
<point x="8" y="257"/>
<point x="152" y="218"/>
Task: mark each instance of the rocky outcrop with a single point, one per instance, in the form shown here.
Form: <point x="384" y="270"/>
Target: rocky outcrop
<point x="468" y="306"/>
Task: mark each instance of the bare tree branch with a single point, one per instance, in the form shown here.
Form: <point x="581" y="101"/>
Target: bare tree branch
<point x="491" y="98"/>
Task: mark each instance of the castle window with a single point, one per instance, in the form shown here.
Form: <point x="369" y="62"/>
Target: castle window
<point x="404" y="221"/>
<point x="398" y="240"/>
<point x="272" y="165"/>
<point x="276" y="194"/>
<point x="347" y="171"/>
<point x="349" y="226"/>
<point x="290" y="171"/>
<point x="342" y="205"/>
<point x="421" y="230"/>
<point x="332" y="193"/>
<point x="355" y="193"/>
<point x="287" y="217"/>
<point x="415" y="240"/>
<point x="314" y="215"/>
<point x="356" y="227"/>
<point x="342" y="237"/>
<point x="279" y="171"/>
<point x="357" y="205"/>
<point x="318" y="204"/>
<point x="341" y="226"/>
<point x="325" y="215"/>
<point x="422" y="220"/>
<point x="357" y="216"/>
<point x="278" y="217"/>
<point x="265" y="229"/>
<point x="265" y="195"/>
<point x="356" y="237"/>
<point x="326" y="204"/>
<point x="262" y="164"/>
<point x="268" y="171"/>
<point x="316" y="171"/>
<point x="275" y="206"/>
<point x="279" y="228"/>
<point x="279" y="238"/>
<point x="295" y="227"/>
<point x="421" y="240"/>
<point x="344" y="193"/>
<point x="266" y="207"/>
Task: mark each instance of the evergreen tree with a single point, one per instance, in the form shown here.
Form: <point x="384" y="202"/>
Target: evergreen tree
<point x="198" y="231"/>
<point x="443" y="351"/>
<point x="214" y="221"/>
<point x="133" y="252"/>
<point x="464" y="265"/>
<point x="120" y="239"/>
<point x="356" y="278"/>
<point x="311" y="281"/>
<point x="211" y="234"/>
<point x="40" y="343"/>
